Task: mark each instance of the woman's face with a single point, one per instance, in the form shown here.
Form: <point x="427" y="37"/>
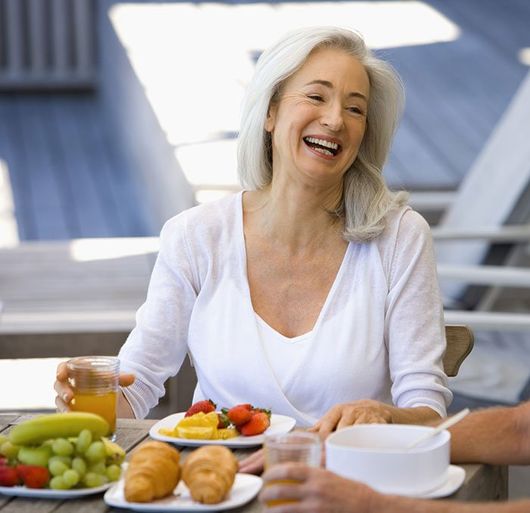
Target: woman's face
<point x="319" y="121"/>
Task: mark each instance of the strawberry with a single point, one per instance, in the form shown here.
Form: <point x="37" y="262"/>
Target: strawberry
<point x="8" y="476"/>
<point x="205" y="406"/>
<point x="258" y="423"/>
<point x="262" y="410"/>
<point x="239" y="414"/>
<point x="223" y="422"/>
<point x="33" y="476"/>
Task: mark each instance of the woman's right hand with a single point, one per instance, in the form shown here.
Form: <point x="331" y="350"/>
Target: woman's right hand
<point x="65" y="394"/>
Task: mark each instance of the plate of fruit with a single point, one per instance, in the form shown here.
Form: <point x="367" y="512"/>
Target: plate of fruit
<point x="242" y="425"/>
<point x="59" y="456"/>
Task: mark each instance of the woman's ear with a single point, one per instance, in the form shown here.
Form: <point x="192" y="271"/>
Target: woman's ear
<point x="271" y="119"/>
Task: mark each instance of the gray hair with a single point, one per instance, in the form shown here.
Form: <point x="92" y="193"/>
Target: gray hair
<point x="366" y="199"/>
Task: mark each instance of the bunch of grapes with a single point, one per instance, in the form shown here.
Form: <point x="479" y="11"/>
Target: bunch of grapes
<point x="82" y="463"/>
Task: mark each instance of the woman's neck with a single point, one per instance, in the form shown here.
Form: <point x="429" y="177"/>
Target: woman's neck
<point x="297" y="218"/>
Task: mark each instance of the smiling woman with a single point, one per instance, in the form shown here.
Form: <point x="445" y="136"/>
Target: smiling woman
<point x="317" y="125"/>
<point x="313" y="292"/>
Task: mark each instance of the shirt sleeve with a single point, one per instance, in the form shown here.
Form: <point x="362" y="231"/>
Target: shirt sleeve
<point x="414" y="323"/>
<point x="157" y="346"/>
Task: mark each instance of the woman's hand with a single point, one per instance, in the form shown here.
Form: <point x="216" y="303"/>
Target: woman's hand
<point x="65" y="393"/>
<point x="365" y="411"/>
<point x="253" y="464"/>
<point x="317" y="491"/>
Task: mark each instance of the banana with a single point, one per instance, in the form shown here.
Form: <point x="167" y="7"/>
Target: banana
<point x="115" y="453"/>
<point x="57" y="425"/>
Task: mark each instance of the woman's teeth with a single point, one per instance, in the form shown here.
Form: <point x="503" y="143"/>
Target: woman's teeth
<point x="322" y="146"/>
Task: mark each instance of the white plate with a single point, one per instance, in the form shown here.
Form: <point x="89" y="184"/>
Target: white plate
<point x="279" y="424"/>
<point x="455" y="479"/>
<point x="246" y="487"/>
<point x="47" y="493"/>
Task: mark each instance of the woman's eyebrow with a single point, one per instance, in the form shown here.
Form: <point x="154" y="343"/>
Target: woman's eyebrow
<point x="326" y="83"/>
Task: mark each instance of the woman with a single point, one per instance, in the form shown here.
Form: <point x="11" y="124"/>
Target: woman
<point x="315" y="289"/>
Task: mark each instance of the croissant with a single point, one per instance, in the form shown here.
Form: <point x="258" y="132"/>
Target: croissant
<point x="209" y="473"/>
<point x="153" y="472"/>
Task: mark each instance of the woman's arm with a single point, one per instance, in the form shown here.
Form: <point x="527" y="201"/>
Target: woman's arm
<point x="124" y="408"/>
<point x="157" y="345"/>
<point x="414" y="323"/>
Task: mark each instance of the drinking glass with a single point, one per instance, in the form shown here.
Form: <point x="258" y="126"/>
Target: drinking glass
<point x="94" y="381"/>
<point x="296" y="446"/>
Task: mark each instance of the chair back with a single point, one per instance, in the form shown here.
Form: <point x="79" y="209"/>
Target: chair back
<point x="460" y="341"/>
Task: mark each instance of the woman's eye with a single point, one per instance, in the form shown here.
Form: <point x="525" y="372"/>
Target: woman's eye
<point x="315" y="97"/>
<point x="355" y="110"/>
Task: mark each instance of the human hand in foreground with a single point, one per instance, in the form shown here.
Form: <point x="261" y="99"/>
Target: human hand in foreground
<point x="341" y="415"/>
<point x="65" y="394"/>
<point x="318" y="491"/>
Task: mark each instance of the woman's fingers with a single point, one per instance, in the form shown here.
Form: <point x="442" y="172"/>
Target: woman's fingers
<point x="62" y="388"/>
<point x="61" y="405"/>
<point x="126" y="380"/>
<point x="253" y="464"/>
<point x="328" y="423"/>
<point x="62" y="372"/>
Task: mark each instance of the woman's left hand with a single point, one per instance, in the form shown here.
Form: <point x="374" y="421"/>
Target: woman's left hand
<point x="365" y="411"/>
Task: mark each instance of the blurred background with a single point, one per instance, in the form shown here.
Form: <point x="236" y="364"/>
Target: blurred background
<point x="115" y="116"/>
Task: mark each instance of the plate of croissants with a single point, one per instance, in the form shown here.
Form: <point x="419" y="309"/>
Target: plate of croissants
<point x="155" y="479"/>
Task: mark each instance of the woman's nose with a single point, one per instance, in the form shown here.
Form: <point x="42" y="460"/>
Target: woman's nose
<point x="332" y="118"/>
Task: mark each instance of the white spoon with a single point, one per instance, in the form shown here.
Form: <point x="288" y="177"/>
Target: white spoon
<point x="444" y="425"/>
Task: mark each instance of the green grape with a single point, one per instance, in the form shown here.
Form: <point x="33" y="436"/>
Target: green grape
<point x="62" y="447"/>
<point x="79" y="465"/>
<point x="91" y="480"/>
<point x="113" y="472"/>
<point x="84" y="439"/>
<point x="98" y="468"/>
<point x="35" y="455"/>
<point x="96" y="452"/>
<point x="9" y="450"/>
<point x="3" y="438"/>
<point x="57" y="483"/>
<point x="57" y="468"/>
<point x="64" y="459"/>
<point x="71" y="478"/>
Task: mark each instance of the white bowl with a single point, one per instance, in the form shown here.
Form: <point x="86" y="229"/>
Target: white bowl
<point x="376" y="454"/>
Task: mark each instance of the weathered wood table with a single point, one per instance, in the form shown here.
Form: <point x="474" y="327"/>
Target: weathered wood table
<point x="483" y="482"/>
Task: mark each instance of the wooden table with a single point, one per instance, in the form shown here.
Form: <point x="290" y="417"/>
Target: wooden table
<point x="483" y="482"/>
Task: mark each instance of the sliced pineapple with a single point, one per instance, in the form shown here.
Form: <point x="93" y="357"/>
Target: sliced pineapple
<point x="197" y="433"/>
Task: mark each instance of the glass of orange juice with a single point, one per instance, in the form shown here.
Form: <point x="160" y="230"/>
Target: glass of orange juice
<point x="94" y="381"/>
<point x="296" y="446"/>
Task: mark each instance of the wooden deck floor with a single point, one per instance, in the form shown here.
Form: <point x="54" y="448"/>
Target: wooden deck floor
<point x="73" y="175"/>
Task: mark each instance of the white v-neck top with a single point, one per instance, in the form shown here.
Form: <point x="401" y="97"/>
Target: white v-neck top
<point x="379" y="335"/>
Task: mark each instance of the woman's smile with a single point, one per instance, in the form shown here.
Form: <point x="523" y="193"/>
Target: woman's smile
<point x="323" y="146"/>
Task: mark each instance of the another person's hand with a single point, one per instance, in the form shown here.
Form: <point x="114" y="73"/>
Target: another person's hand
<point x="318" y="491"/>
<point x="357" y="412"/>
<point x="65" y="393"/>
<point x="253" y="464"/>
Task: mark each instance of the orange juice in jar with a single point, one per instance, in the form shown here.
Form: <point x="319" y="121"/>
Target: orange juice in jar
<point x="297" y="446"/>
<point x="94" y="381"/>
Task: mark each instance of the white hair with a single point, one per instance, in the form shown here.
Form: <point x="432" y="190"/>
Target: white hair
<point x="366" y="199"/>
